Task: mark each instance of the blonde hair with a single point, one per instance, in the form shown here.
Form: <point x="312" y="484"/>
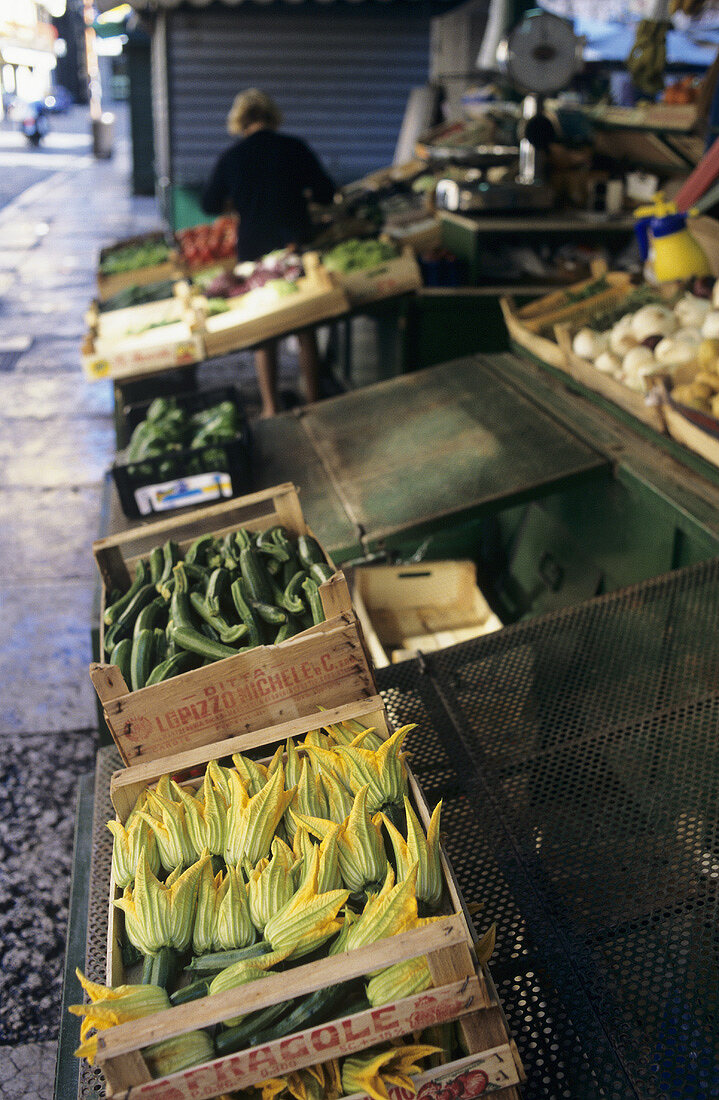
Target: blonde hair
<point x="250" y="107"/>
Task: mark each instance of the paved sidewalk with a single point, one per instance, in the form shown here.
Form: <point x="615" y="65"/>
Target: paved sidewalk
<point x="56" y="441"/>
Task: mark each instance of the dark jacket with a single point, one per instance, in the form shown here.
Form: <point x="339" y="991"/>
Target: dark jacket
<point x="265" y="177"/>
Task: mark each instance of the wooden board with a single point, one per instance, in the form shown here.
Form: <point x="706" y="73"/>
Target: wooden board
<point x="462" y="990"/>
<point x="682" y="429"/>
<point x="419" y="607"/>
<point x="541" y="347"/>
<point x="585" y="372"/>
<point x="398" y="276"/>
<point x="557" y="307"/>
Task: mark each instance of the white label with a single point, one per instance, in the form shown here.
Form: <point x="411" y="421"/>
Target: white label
<point x="196" y="489"/>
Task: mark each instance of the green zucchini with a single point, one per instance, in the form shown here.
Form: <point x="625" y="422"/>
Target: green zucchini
<point x="113" y="612"/>
<point x="246" y="613"/>
<point x="141" y="658"/>
<point x="242" y="1035"/>
<point x="227" y="633"/>
<point x="215" y="961"/>
<point x="180" y="606"/>
<point x="253" y="572"/>
<point x="170" y="555"/>
<point x="287" y="630"/>
<point x="173" y="665"/>
<point x="310" y="551"/>
<point x="218" y="590"/>
<point x="312" y="592"/>
<point x="243" y="539"/>
<point x="159" y="969"/>
<point x="273" y="567"/>
<point x="120" y="656"/>
<point x="191" y="992"/>
<point x="320" y="571"/>
<point x="308" y="1011"/>
<point x="275" y="616"/>
<point x="197" y="552"/>
<point x="157" y="564"/>
<point x="160" y="653"/>
<point x="150" y="616"/>
<point x="266" y="544"/>
<point x="291" y="598"/>
<point x="190" y="639"/>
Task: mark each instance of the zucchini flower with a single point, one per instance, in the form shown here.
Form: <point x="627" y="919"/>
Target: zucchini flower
<point x="382" y="769"/>
<point x="318" y="739"/>
<point x="182" y="1051"/>
<point x="371" y="1071"/>
<point x="338" y="796"/>
<point x="276" y="761"/>
<point x="309" y="918"/>
<point x="220" y="779"/>
<point x="270" y="884"/>
<point x="293" y="765"/>
<point x="222" y="918"/>
<point x="329" y="877"/>
<point x="420" y="851"/>
<point x="167" y="821"/>
<point x="309" y="798"/>
<point x="109" y="1007"/>
<point x="161" y="916"/>
<point x="205" y="816"/>
<point x="253" y="775"/>
<point x="343" y="733"/>
<point x="392" y="910"/>
<point x="329" y="762"/>
<point x="252" y="821"/>
<point x="398" y="981"/>
<point x="362" y="858"/>
<point x="127" y="843"/>
<point x="340" y="944"/>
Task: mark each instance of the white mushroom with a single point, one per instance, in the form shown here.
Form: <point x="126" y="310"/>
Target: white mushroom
<point x="588" y="344"/>
<point x="621" y="339"/>
<point x="653" y="320"/>
<point x="608" y="363"/>
<point x="689" y="335"/>
<point x="710" y="328"/>
<point x="691" y="311"/>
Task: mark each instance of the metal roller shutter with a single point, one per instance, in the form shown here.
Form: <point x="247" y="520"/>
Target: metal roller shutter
<point x="340" y="74"/>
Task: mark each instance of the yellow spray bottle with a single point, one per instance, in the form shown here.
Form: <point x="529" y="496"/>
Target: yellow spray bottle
<point x="666" y="245"/>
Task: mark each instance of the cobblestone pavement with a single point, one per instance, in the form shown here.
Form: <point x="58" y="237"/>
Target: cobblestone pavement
<point x="56" y="441"/>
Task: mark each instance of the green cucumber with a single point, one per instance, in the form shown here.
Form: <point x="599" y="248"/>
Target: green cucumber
<point x="312" y="592"/>
<point x="141" y="658"/>
<point x="113" y="612"/>
<point x="215" y="961"/>
<point x="310" y="551"/>
<point x="255" y="577"/>
<point x="192" y="640"/>
<point x="173" y="665"/>
<point x="120" y="656"/>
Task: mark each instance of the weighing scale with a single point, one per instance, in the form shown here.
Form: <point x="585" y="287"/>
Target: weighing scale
<point x="540" y="56"/>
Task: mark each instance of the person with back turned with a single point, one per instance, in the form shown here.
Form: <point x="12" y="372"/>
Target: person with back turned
<point x="267" y="177"/>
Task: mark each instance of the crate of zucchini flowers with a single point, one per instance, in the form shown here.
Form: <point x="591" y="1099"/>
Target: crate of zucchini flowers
<point x="283" y="922"/>
<point x="184" y="451"/>
<point x="220" y="619"/>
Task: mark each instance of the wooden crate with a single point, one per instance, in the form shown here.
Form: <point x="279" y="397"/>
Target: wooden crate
<point x="462" y="990"/>
<point x="532" y="325"/>
<point x="116" y="324"/>
<point x="695" y="430"/>
<point x="582" y="370"/>
<point x="109" y="285"/>
<point x="237" y="693"/>
<point x="318" y="298"/>
<point x="152" y="352"/>
<point x="406" y="608"/>
<point x="400" y="275"/>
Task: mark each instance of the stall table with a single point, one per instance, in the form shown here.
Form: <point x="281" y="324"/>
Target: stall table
<point x="577" y="758"/>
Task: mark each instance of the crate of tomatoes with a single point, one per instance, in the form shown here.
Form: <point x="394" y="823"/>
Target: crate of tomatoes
<point x="209" y="244"/>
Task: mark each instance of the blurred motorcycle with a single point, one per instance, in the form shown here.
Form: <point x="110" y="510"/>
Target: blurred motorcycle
<point x="33" y="122"/>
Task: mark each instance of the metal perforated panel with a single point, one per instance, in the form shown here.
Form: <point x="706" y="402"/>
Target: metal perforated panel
<point x="586" y="748"/>
<point x="340" y="74"/>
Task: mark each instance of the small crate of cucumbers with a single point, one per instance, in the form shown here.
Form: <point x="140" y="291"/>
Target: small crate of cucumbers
<point x="283" y="921"/>
<point x="184" y="451"/>
<point x="136" y="261"/>
<point x="216" y="620"/>
<point x="370" y="270"/>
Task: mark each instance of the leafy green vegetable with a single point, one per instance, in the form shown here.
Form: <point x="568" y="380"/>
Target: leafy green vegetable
<point x="357" y="255"/>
